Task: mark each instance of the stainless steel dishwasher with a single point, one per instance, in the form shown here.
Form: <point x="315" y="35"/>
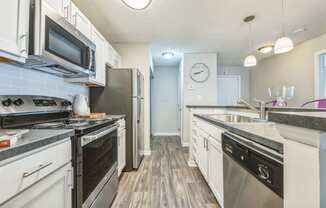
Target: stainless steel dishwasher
<point x="253" y="174"/>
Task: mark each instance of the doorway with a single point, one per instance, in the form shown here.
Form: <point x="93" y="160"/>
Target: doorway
<point x="228" y="89"/>
<point x="164" y="101"/>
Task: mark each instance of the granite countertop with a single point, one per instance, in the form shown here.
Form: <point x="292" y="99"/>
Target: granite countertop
<point x="34" y="139"/>
<point x="282" y="109"/>
<point x="273" y="134"/>
<point x="263" y="133"/>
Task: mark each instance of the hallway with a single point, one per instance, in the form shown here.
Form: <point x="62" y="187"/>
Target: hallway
<point x="164" y="180"/>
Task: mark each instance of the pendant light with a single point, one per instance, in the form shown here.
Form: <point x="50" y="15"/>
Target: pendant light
<point x="283" y="44"/>
<point x="137" y="4"/>
<point x="250" y="60"/>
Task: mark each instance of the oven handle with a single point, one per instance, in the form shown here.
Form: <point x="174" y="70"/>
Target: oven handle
<point x="90" y="137"/>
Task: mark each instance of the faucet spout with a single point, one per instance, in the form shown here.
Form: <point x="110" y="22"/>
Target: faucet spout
<point x="262" y="107"/>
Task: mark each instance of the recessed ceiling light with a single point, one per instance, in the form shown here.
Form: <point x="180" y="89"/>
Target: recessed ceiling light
<point x="137" y="4"/>
<point x="167" y="55"/>
<point x="266" y="49"/>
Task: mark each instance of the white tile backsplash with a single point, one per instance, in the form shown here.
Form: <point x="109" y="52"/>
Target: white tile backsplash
<point x="15" y="80"/>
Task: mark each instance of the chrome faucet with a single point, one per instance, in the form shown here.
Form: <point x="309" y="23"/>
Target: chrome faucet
<point x="262" y="107"/>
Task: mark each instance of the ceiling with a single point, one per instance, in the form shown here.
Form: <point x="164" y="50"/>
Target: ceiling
<point x="205" y="25"/>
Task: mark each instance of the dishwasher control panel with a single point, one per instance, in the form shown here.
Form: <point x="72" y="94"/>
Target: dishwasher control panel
<point x="262" y="166"/>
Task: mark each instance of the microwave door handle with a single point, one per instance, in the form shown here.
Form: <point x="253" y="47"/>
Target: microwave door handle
<point x="90" y="59"/>
<point x="90" y="138"/>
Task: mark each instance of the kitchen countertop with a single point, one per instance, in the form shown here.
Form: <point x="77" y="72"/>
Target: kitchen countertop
<point x="263" y="133"/>
<point x="34" y="139"/>
<point x="272" y="134"/>
<point x="287" y="109"/>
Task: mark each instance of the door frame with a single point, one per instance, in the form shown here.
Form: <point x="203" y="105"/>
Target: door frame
<point x="317" y="72"/>
<point x="232" y="76"/>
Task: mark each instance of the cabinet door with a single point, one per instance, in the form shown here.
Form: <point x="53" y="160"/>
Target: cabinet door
<point x="215" y="167"/>
<point x="55" y="4"/>
<point x="202" y="154"/>
<point x="80" y="21"/>
<point x="14" y="21"/>
<point x="66" y="9"/>
<point x="99" y="41"/>
<point x="52" y="192"/>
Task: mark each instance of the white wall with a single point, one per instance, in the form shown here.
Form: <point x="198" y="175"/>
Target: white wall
<point x="295" y="68"/>
<point x="243" y="72"/>
<point x="197" y="93"/>
<point x="138" y="56"/>
<point x="164" y="104"/>
<point x="20" y="81"/>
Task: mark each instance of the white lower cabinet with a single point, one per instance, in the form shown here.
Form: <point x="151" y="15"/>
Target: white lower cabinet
<point x="203" y="154"/>
<point x="43" y="178"/>
<point x="54" y="191"/>
<point x="206" y="147"/>
<point x="215" y="169"/>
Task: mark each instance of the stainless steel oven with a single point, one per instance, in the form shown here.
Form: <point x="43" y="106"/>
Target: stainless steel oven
<point x="99" y="167"/>
<point x="56" y="46"/>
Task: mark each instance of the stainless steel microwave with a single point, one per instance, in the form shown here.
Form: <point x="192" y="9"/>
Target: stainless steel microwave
<point x="56" y="46"/>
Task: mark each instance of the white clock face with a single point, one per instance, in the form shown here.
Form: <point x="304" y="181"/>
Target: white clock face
<point x="199" y="72"/>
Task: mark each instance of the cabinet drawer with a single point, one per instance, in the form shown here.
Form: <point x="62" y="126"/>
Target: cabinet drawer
<point x="22" y="173"/>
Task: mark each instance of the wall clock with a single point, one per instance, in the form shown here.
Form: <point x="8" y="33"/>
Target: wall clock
<point x="199" y="72"/>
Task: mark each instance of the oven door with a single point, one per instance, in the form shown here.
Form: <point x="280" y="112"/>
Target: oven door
<point x="58" y="43"/>
<point x="99" y="151"/>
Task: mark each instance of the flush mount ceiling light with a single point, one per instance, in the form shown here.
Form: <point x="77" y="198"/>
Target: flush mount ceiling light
<point x="137" y="4"/>
<point x="266" y="49"/>
<point x="168" y="55"/>
<point x="250" y="60"/>
<point x="283" y="44"/>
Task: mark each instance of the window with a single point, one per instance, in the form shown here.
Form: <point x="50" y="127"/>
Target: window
<point x="322" y="84"/>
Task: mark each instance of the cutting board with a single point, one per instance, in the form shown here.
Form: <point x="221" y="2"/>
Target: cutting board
<point x="94" y="116"/>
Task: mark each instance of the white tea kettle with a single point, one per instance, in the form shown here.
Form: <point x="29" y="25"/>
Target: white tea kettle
<point x="80" y="105"/>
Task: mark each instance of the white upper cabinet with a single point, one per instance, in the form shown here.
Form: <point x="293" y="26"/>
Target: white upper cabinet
<point x="101" y="44"/>
<point x="56" y="5"/>
<point x="80" y="21"/>
<point x="14" y="21"/>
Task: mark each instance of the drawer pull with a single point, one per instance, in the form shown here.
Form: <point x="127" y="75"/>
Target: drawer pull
<point x="40" y="167"/>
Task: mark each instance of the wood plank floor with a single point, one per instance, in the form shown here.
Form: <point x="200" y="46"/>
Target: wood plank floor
<point x="164" y="180"/>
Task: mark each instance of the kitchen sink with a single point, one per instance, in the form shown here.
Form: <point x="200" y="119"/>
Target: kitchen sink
<point x="230" y="118"/>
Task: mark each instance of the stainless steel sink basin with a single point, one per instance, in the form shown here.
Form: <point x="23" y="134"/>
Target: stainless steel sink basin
<point x="234" y="118"/>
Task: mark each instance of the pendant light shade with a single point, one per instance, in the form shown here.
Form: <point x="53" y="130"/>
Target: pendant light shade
<point x="250" y="61"/>
<point x="137" y="4"/>
<point x="283" y="45"/>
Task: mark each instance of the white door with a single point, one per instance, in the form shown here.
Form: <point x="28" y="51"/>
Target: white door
<point x="100" y="64"/>
<point x="80" y="21"/>
<point x="202" y="154"/>
<point x="215" y="167"/>
<point x="54" y="191"/>
<point x="228" y="89"/>
<point x="14" y="21"/>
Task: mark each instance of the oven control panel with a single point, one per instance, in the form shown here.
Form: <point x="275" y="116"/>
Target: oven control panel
<point x="24" y="103"/>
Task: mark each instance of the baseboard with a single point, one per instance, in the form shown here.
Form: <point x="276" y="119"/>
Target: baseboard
<point x="166" y="134"/>
<point x="146" y="152"/>
<point x="192" y="163"/>
<point x="185" y="144"/>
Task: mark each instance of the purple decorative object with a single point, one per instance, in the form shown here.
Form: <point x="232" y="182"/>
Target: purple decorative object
<point x="322" y="103"/>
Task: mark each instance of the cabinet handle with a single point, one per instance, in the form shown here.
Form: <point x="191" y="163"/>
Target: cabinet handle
<point x="75" y="20"/>
<point x="207" y="149"/>
<point x="66" y="12"/>
<point x="40" y="167"/>
<point x="23" y="43"/>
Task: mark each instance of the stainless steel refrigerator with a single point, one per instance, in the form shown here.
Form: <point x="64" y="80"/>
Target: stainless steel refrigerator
<point x="123" y="94"/>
